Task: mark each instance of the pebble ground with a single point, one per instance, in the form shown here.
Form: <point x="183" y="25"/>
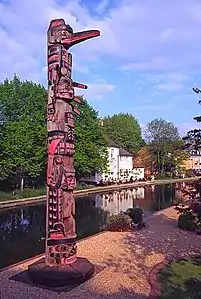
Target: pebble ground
<point x="127" y="259"/>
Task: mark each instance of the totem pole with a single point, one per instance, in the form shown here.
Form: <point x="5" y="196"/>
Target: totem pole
<point x="60" y="251"/>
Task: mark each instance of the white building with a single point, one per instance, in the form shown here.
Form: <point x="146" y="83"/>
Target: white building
<point x="120" y="163"/>
<point x="120" y="166"/>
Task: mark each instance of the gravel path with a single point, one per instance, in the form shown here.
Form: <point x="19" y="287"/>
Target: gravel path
<point x="127" y="259"/>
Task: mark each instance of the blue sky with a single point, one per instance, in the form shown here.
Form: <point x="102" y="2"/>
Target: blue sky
<point x="146" y="61"/>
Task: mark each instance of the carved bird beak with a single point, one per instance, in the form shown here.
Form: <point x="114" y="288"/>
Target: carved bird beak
<point x="79" y="37"/>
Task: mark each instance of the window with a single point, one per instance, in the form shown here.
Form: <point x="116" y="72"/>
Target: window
<point x="112" y="153"/>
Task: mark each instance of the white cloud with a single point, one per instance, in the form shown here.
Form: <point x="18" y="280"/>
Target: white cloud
<point x="78" y="67"/>
<point x="102" y="6"/>
<point x="141" y="35"/>
<point x="176" y="76"/>
<point x="154" y="107"/>
<point x="164" y="76"/>
<point x="101" y="87"/>
<point x="155" y="63"/>
<point x="166" y="80"/>
<point x="166" y="33"/>
<point x="97" y="91"/>
<point x="169" y="86"/>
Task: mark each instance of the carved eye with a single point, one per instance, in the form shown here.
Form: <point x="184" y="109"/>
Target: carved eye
<point x="63" y="32"/>
<point x="57" y="33"/>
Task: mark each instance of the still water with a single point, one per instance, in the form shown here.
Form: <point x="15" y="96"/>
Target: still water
<point x="22" y="229"/>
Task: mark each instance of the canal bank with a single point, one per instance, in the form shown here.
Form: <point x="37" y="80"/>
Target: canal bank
<point x="22" y="228"/>
<point x="96" y="190"/>
<point x="122" y="262"/>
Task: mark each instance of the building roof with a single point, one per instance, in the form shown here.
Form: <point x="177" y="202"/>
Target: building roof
<point x="123" y="152"/>
<point x="112" y="144"/>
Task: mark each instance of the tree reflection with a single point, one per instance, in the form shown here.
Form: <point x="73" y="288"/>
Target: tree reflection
<point x="164" y="197"/>
<point x="90" y="219"/>
<point x="22" y="229"/>
<point x="21" y="232"/>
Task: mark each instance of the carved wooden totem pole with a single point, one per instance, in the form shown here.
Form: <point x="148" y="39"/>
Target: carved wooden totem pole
<point x="60" y="223"/>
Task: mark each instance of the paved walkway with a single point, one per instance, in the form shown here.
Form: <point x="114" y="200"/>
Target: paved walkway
<point x="127" y="259"/>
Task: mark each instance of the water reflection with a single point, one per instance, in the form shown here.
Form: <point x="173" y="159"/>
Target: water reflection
<point x="22" y="229"/>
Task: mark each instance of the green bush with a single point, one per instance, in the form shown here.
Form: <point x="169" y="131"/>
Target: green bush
<point x="187" y="221"/>
<point x="136" y="214"/>
<point x="120" y="222"/>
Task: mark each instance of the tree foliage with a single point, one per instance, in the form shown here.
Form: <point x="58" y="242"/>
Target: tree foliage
<point x="124" y="130"/>
<point x="23" y="134"/>
<point x="165" y="145"/>
<point x="192" y="140"/>
<point x="144" y="159"/>
<point x="160" y="130"/>
<point x="91" y="146"/>
<point x="23" y="131"/>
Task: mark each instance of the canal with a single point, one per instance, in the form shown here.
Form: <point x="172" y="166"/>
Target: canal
<point x="22" y="229"/>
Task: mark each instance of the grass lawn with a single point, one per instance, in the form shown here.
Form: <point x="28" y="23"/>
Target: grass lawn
<point x="181" y="280"/>
<point x="29" y="192"/>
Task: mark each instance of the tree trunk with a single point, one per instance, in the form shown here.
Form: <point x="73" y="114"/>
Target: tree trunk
<point x="162" y="167"/>
<point x="22" y="184"/>
<point x="163" y="194"/>
<point x="158" y="163"/>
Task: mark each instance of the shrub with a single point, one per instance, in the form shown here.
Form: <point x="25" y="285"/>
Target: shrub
<point x="190" y="213"/>
<point x="187" y="221"/>
<point x="190" y="173"/>
<point x="136" y="214"/>
<point x="120" y="222"/>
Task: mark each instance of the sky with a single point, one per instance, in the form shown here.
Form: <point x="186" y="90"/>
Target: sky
<point x="145" y="62"/>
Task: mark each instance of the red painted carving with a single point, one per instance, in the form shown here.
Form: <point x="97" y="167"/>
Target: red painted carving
<point x="60" y="225"/>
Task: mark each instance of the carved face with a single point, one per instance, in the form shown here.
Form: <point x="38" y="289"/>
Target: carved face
<point x="60" y="32"/>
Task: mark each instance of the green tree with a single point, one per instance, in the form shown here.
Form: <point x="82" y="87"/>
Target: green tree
<point x="165" y="145"/>
<point x="23" y="130"/>
<point x="22" y="100"/>
<point x="177" y="155"/>
<point x="91" y="147"/>
<point x="161" y="130"/>
<point x="192" y="139"/>
<point x="124" y="130"/>
<point x="23" y="134"/>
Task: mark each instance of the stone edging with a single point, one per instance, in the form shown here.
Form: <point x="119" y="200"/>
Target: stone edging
<point x="153" y="280"/>
<point x="153" y="274"/>
<point x="86" y="192"/>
